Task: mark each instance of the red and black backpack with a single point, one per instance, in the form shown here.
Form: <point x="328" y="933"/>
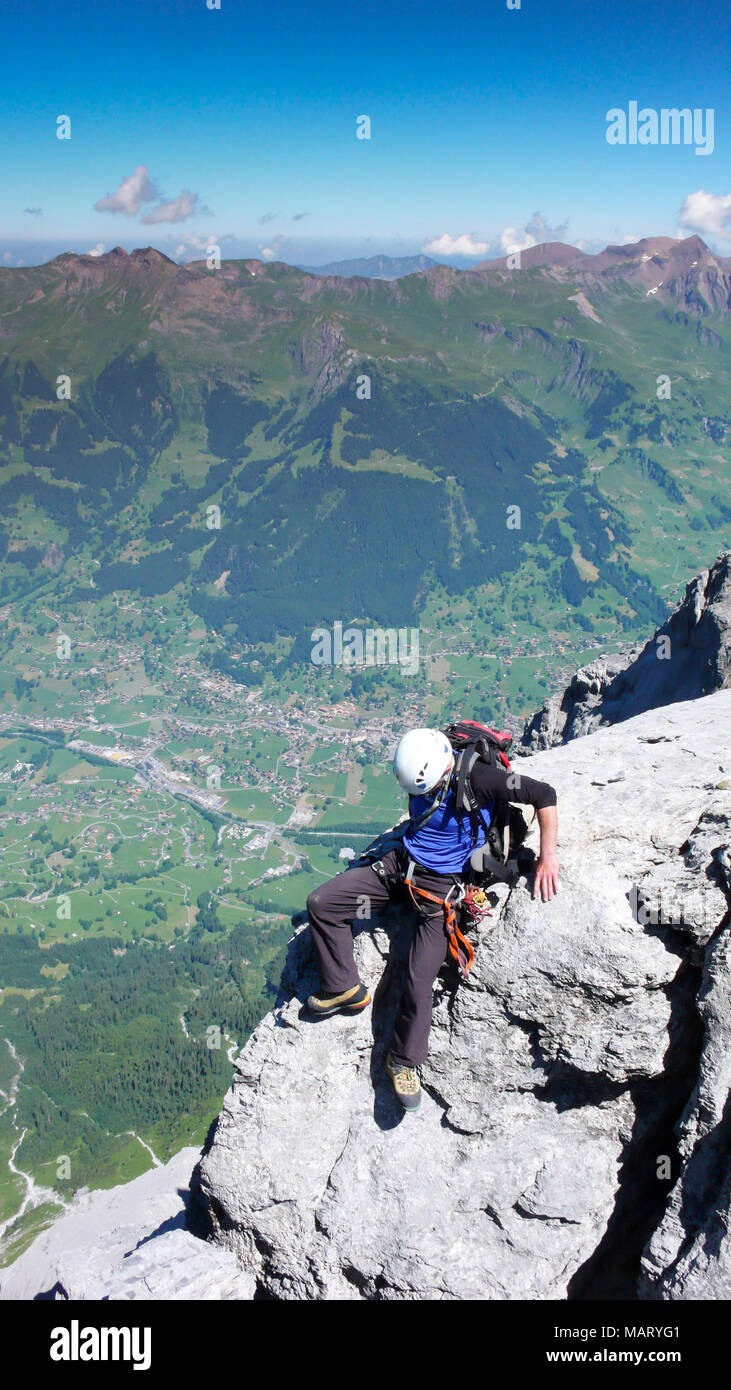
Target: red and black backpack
<point x="473" y="742"/>
<point x="502" y="856"/>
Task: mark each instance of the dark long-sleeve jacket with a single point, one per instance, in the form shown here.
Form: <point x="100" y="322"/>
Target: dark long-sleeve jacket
<point x="444" y="841"/>
<point x="492" y="779"/>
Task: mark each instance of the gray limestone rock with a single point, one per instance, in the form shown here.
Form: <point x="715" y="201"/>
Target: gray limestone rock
<point x="504" y="1184"/>
<point x="689" y="656"/>
<point x="128" y="1242"/>
<point x="689" y="1255"/>
<point x="590" y="1039"/>
<point x="689" y="890"/>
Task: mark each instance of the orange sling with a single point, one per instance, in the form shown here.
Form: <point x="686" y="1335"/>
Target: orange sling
<point x="459" y="946"/>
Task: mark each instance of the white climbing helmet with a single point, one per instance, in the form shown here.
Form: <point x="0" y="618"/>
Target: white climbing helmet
<point x="422" y="760"/>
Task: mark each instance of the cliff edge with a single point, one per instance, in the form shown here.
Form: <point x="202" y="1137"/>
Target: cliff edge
<point x="689" y="656"/>
<point x="571" y="1138"/>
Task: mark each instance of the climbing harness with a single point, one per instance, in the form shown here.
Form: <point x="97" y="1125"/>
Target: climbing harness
<point x="459" y="947"/>
<point x="501" y="857"/>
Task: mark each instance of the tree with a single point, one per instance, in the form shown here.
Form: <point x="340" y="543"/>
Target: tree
<point x="572" y="585"/>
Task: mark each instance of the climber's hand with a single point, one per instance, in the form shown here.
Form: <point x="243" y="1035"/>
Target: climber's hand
<point x="546" y="877"/>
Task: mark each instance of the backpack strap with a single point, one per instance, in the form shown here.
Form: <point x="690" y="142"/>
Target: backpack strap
<point x="485" y="863"/>
<point x="464" y="796"/>
<point x="465" y="799"/>
<point x="416" y="824"/>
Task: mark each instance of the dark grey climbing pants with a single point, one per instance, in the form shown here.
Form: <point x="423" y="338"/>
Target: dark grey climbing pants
<point x="351" y="897"/>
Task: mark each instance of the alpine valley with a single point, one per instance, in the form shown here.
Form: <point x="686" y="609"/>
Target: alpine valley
<point x="522" y="464"/>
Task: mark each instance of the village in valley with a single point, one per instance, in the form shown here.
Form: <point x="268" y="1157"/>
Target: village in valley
<point x="160" y="817"/>
<point x="191" y="782"/>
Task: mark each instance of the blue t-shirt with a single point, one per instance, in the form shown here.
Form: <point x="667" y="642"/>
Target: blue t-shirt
<point x="445" y="842"/>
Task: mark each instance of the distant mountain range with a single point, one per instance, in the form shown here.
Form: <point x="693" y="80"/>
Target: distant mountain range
<point x="676" y="256"/>
<point x="365" y="439"/>
<point x="374" y="267"/>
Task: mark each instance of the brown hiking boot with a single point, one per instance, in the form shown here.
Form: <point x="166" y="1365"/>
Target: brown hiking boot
<point x="406" y="1083"/>
<point x="349" y="1001"/>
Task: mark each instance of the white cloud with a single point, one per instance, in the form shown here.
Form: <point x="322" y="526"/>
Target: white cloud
<point x="131" y="194"/>
<point x="192" y="242"/>
<point x="176" y="209"/>
<point x="139" y="189"/>
<point x="589" y="247"/>
<point x="97" y="250"/>
<point x="543" y="231"/>
<point x="707" y="212"/>
<point x="466" y="244"/>
<point x="512" y="239"/>
<point x="531" y="233"/>
<point x="7" y="255"/>
<point x="270" y="253"/>
<point x="535" y="232"/>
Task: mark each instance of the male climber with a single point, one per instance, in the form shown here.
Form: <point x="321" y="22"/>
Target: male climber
<point x="438" y="843"/>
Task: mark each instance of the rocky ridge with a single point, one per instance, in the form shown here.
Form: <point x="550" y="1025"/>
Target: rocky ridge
<point x="554" y="1080"/>
<point x="129" y="1242"/>
<point x="689" y="656"/>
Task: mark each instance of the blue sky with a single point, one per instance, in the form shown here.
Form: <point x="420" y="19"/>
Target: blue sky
<point x="238" y="125"/>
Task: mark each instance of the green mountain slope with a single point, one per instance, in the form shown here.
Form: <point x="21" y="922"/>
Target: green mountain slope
<point x="488" y="389"/>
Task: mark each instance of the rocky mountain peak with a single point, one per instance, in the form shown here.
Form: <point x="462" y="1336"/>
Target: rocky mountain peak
<point x="672" y="269"/>
<point x="149" y="256"/>
<point x="689" y="656"/>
